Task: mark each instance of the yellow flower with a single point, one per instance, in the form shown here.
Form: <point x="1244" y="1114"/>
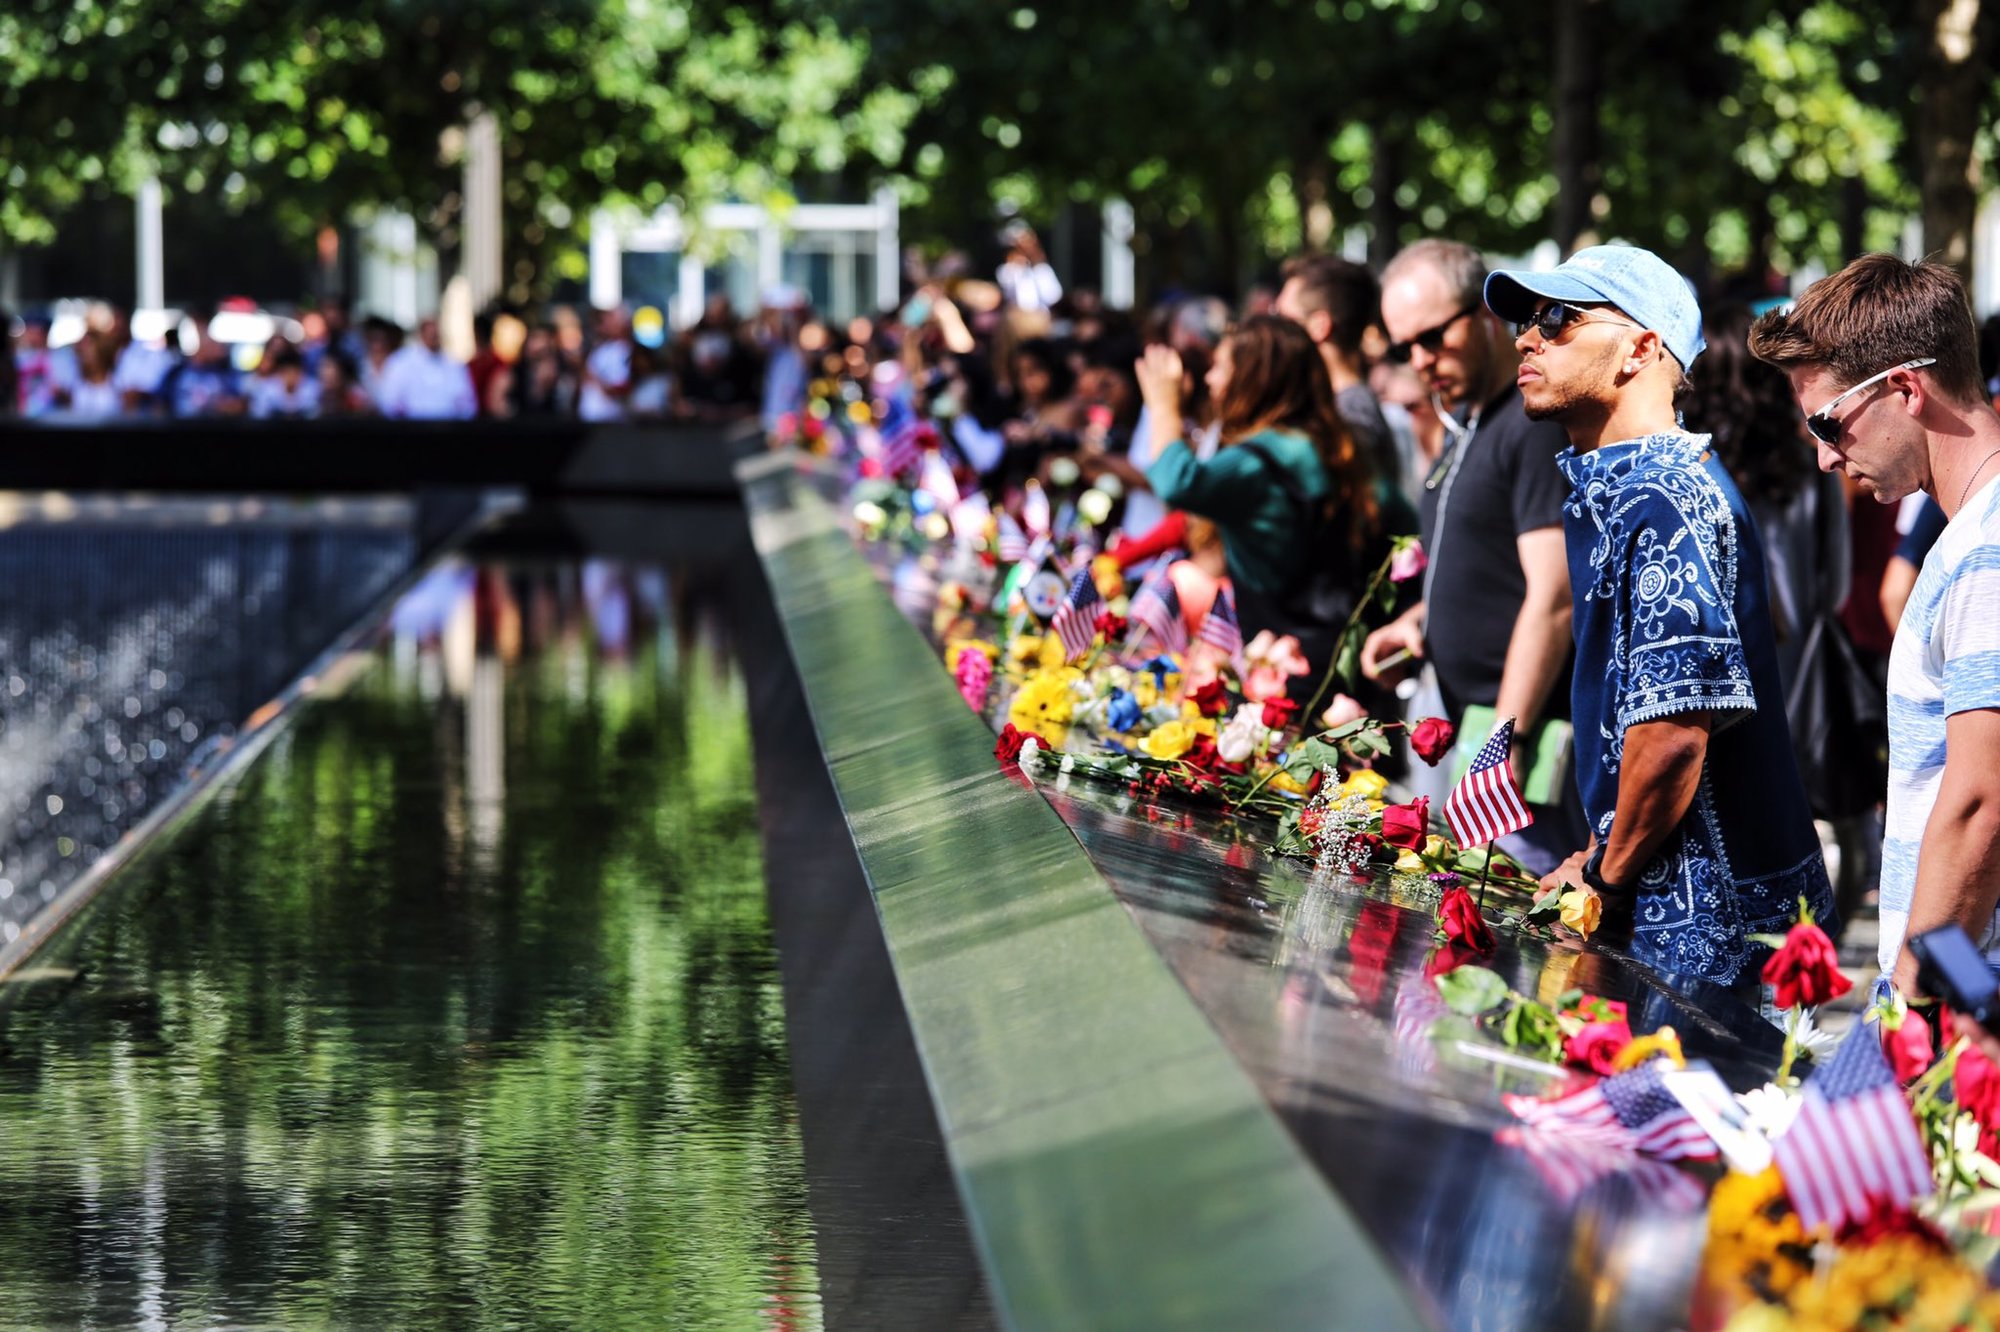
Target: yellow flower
<point x="1580" y="909"/>
<point x="1043" y="700"/>
<point x="1201" y="725"/>
<point x="1145" y="690"/>
<point x="1169" y="740"/>
<point x="1110" y="580"/>
<point x="1054" y="654"/>
<point x="1025" y="649"/>
<point x="1285" y="782"/>
<point x="1436" y="848"/>
<point x="1367" y="783"/>
<point x="1409" y="862"/>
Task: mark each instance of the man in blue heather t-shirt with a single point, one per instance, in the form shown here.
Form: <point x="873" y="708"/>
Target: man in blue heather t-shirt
<point x="1884" y="360"/>
<point x="1699" y="821"/>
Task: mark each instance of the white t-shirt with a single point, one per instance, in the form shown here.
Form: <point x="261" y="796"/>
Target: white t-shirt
<point x="422" y="385"/>
<point x="1946" y="660"/>
<point x="610" y="364"/>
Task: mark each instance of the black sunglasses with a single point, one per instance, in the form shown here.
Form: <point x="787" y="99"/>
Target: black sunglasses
<point x="1556" y="316"/>
<point x="1431" y="339"/>
<point x="1827" y="430"/>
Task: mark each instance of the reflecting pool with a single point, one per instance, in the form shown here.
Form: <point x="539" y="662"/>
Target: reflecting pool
<point x="459" y="1007"/>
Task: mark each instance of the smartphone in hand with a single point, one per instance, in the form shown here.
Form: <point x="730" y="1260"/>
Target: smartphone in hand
<point x="1951" y="967"/>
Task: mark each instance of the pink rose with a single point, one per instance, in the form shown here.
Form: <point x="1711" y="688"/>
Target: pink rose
<point x="1341" y="711"/>
<point x="1408" y="561"/>
<point x="1597" y="1045"/>
<point x="1268" y="662"/>
<point x="975" y="673"/>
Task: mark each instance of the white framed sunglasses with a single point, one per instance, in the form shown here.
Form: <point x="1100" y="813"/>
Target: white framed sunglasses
<point x="1827" y="430"/>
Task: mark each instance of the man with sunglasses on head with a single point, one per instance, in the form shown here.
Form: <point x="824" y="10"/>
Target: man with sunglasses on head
<point x="1494" y="617"/>
<point x="1701" y="836"/>
<point x="1884" y="360"/>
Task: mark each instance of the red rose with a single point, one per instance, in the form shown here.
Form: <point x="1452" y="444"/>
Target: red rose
<point x="1211" y="698"/>
<point x="1201" y="755"/>
<point x="1459" y="918"/>
<point x="1431" y="739"/>
<point x="1278" y="713"/>
<point x="1597" y="1045"/>
<point x="1909" y="1048"/>
<point x="1807" y="969"/>
<point x="1008" y="748"/>
<point x="1407" y="825"/>
<point x="1314" y="782"/>
<point x="1976" y="1083"/>
<point x="1111" y="627"/>
<point x="1449" y="957"/>
<point x="1311" y="821"/>
<point x="1886" y="1219"/>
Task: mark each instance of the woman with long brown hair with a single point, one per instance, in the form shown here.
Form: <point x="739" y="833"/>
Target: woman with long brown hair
<point x="1300" y="510"/>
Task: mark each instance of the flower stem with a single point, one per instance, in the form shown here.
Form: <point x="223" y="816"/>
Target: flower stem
<point x="1360" y="607"/>
<point x="1791" y="1045"/>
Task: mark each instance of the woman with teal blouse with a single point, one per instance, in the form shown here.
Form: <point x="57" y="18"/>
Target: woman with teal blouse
<point x="1296" y="503"/>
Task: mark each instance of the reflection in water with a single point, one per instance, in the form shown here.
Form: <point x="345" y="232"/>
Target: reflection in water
<point x="460" y="1008"/>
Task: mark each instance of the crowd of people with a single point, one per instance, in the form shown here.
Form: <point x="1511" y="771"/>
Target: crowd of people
<point x="337" y="366"/>
<point x="1700" y="636"/>
<point x="1631" y="550"/>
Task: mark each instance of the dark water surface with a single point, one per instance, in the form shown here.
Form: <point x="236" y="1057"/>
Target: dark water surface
<point x="458" y="1008"/>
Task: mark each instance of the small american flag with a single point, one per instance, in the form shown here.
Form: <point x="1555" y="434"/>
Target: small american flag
<point x="1571" y="1169"/>
<point x="1219" y="627"/>
<point x="1035" y="509"/>
<point x="936" y="477"/>
<point x="1012" y="541"/>
<point x="1854" y="1141"/>
<point x="900" y="433"/>
<point x="1156" y="610"/>
<point x="1631" y="1111"/>
<point x="1486" y="804"/>
<point x="1075" y="621"/>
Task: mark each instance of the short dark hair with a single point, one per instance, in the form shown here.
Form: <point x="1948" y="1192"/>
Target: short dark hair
<point x="1878" y="312"/>
<point x="1345" y="290"/>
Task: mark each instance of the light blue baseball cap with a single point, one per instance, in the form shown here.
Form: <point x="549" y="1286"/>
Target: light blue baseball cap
<point x="1637" y="281"/>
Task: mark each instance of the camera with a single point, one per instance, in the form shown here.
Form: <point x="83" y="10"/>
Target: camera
<point x="1951" y="967"/>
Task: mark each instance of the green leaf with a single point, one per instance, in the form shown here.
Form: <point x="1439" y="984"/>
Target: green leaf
<point x="1471" y="990"/>
<point x="1532" y="1027"/>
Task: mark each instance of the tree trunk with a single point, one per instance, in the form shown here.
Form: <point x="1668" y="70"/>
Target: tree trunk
<point x="1313" y="186"/>
<point x="1385" y="215"/>
<point x="1947" y="120"/>
<point x="1576" y="97"/>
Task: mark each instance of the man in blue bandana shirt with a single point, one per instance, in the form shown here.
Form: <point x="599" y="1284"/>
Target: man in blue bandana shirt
<point x="1699" y="823"/>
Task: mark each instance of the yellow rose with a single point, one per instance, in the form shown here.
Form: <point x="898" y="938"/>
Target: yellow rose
<point x="1145" y="690"/>
<point x="1043" y="701"/>
<point x="1365" y="782"/>
<point x="1169" y="740"/>
<point x="1409" y="862"/>
<point x="1580" y="909"/>
<point x="1110" y="580"/>
<point x="1436" y="848"/>
<point x="1651" y="1046"/>
<point x="1283" y="781"/>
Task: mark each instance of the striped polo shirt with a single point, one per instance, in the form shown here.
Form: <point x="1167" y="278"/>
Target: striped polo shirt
<point x="1946" y="660"/>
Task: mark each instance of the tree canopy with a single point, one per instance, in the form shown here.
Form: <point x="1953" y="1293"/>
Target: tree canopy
<point x="1730" y="134"/>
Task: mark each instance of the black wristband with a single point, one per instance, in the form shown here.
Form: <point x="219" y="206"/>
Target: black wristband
<point x="1593" y="875"/>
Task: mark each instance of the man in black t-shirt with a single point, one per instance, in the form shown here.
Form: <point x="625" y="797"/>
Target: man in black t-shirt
<point x="1495" y="617"/>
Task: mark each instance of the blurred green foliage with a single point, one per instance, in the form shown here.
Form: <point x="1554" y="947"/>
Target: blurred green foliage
<point x="1730" y="134"/>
